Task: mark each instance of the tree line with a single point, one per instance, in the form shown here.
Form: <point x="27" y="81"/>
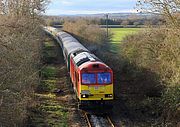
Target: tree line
<point x="20" y="34"/>
<point x="135" y="20"/>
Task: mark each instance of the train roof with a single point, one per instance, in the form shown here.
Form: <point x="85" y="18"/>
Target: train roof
<point x="74" y="48"/>
<point x="63" y="34"/>
<point x="84" y="57"/>
<point x="69" y="39"/>
<point x="70" y="44"/>
<point x="94" y="66"/>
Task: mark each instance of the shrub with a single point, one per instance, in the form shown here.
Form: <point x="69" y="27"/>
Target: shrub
<point x="49" y="72"/>
<point x="46" y="86"/>
<point x="155" y="55"/>
<point x="171" y="102"/>
<point x="90" y="35"/>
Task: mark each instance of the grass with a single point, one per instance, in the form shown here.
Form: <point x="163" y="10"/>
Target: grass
<point x="48" y="44"/>
<point x="47" y="86"/>
<point x="119" y="34"/>
<point x="48" y="52"/>
<point x="49" y="72"/>
<point x="49" y="111"/>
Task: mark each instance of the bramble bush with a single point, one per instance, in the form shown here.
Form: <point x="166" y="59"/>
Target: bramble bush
<point x="158" y="51"/>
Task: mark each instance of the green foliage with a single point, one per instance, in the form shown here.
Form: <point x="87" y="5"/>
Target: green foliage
<point x="49" y="72"/>
<point x="49" y="110"/>
<point x="47" y="86"/>
<point x="50" y="114"/>
<point x="119" y="34"/>
<point x="48" y="54"/>
<point x="48" y="45"/>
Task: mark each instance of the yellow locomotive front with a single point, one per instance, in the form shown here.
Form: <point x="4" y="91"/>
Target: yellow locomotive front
<point x="96" y="82"/>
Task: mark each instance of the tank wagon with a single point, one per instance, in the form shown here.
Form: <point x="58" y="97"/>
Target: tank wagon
<point x="92" y="80"/>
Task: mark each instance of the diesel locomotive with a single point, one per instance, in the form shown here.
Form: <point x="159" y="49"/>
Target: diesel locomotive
<point x="92" y="80"/>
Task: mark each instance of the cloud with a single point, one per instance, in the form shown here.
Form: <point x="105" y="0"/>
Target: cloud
<point x="74" y="12"/>
<point x="66" y="2"/>
<point x="58" y="7"/>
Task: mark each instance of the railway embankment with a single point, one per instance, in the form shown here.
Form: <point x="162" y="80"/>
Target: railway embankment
<point x="54" y="103"/>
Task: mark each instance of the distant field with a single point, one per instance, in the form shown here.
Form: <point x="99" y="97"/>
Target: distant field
<point x="119" y="34"/>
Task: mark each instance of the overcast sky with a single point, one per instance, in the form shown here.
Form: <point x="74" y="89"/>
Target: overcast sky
<point x="71" y="7"/>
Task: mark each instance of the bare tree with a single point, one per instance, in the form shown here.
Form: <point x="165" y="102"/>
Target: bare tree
<point x="158" y="51"/>
<point x="19" y="57"/>
<point x="89" y="34"/>
<point x="168" y="8"/>
<point x="125" y="22"/>
<point x="22" y="7"/>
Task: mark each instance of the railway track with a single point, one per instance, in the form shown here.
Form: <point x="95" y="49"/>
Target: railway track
<point x="94" y="120"/>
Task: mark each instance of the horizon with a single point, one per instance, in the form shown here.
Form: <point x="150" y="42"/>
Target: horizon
<point x="94" y="14"/>
<point x="85" y="7"/>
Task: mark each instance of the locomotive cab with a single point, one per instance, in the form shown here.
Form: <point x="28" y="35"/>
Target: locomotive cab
<point x="92" y="79"/>
<point x="96" y="82"/>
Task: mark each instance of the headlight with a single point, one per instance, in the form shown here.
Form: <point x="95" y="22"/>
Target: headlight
<point x="84" y="96"/>
<point x="108" y="95"/>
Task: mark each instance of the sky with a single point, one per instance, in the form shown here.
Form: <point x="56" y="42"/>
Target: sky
<point x="73" y="7"/>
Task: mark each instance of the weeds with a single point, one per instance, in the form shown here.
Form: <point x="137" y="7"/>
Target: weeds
<point x="49" y="72"/>
<point x="47" y="86"/>
<point x="49" y="111"/>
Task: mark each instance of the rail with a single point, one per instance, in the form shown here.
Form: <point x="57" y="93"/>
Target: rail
<point x="94" y="120"/>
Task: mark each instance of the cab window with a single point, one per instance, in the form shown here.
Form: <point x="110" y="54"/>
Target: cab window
<point x="88" y="78"/>
<point x="104" y="78"/>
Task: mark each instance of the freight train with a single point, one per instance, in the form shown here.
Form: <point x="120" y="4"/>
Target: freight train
<point x="92" y="80"/>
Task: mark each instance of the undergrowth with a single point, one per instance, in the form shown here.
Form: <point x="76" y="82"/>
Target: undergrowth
<point x="49" y="111"/>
